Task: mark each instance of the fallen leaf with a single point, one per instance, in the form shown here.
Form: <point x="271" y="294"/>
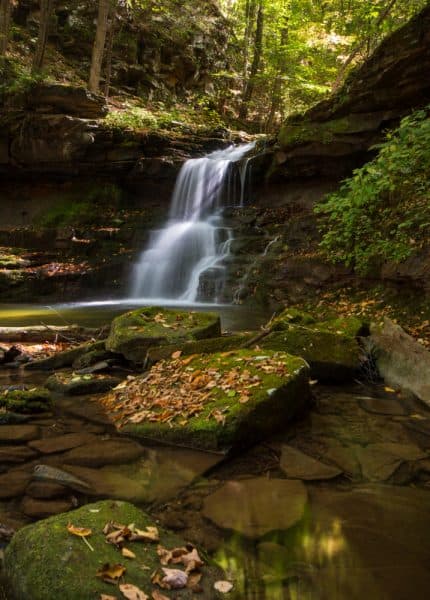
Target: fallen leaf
<point x="132" y="592"/>
<point x="176" y="354"/>
<point x="149" y="534"/>
<point x="389" y="390"/>
<point x="128" y="553"/>
<point x="175" y="578"/>
<point x="111" y="573"/>
<point x="191" y="561"/>
<point x="223" y="586"/>
<point x="79" y="531"/>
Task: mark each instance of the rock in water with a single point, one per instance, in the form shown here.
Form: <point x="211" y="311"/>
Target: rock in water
<point x="297" y="465"/>
<point x="254" y="507"/>
<point x="53" y="475"/>
<point x="44" y="561"/>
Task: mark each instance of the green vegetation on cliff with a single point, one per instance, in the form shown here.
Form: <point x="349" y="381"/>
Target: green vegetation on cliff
<point x="383" y="211"/>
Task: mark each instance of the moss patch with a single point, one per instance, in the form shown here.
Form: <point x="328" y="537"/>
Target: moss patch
<point x="26" y="401"/>
<point x="244" y="395"/>
<point x="134" y="332"/>
<point x="44" y="561"/>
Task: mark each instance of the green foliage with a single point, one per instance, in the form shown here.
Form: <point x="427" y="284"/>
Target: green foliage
<point x="15" y="78"/>
<point x="383" y="211"/>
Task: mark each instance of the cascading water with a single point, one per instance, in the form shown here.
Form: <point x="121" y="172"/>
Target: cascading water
<point x="194" y="240"/>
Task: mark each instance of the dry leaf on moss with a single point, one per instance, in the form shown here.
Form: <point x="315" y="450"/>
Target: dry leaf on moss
<point x="156" y="595"/>
<point x="132" y="592"/>
<point x="111" y="573"/>
<point x="128" y="553"/>
<point x="223" y="586"/>
<point x="79" y="531"/>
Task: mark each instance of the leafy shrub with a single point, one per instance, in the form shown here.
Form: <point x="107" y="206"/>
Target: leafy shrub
<point x="383" y="211"/>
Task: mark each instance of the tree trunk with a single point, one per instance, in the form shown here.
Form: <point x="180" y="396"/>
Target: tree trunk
<point x="5" y="11"/>
<point x="109" y="50"/>
<point x="277" y="91"/>
<point x="42" y="38"/>
<point x="258" y="52"/>
<point x="99" y="45"/>
<point x="249" y="22"/>
<point x="359" y="47"/>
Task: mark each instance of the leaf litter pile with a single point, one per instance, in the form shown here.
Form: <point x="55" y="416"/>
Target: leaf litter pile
<point x="176" y="390"/>
<point x="180" y="568"/>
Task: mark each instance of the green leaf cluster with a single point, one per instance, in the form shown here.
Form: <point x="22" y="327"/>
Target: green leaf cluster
<point x="382" y="213"/>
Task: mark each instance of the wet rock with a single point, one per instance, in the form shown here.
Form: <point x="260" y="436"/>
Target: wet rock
<point x="51" y="540"/>
<point x="297" y="465"/>
<point x="344" y="457"/>
<point x="380" y="461"/>
<point x="383" y="406"/>
<point x="400" y="359"/>
<point x="66" y="358"/>
<point x="90" y="359"/>
<point x="11" y="418"/>
<point x="43" y="490"/>
<point x="79" y="385"/>
<point x="228" y="417"/>
<point x="41" y="509"/>
<point x="104" y="452"/>
<point x="18" y="433"/>
<point x="16" y="454"/>
<point x="13" y="484"/>
<point x="133" y="333"/>
<point x="62" y="443"/>
<point x="258" y="506"/>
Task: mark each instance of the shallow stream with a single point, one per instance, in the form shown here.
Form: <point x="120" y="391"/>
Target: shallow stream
<point x="363" y="533"/>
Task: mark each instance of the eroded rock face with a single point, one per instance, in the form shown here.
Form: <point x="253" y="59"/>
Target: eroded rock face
<point x="335" y="136"/>
<point x="35" y="572"/>
<point x="213" y="401"/>
<point x="67" y="99"/>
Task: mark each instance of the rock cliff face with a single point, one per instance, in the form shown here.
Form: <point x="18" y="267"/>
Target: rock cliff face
<point x="337" y="134"/>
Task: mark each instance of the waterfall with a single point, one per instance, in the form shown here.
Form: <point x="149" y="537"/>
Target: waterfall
<point x="194" y="241"/>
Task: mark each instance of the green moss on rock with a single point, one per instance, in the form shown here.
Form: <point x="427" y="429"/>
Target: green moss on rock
<point x="134" y="332"/>
<point x="225" y="420"/>
<point x="26" y="401"/>
<point x="44" y="561"/>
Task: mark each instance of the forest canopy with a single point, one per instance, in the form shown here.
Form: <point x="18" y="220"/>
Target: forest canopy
<point x="245" y="62"/>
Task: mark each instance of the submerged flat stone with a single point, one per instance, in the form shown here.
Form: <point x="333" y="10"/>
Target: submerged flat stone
<point x="45" y="561"/>
<point x="133" y="333"/>
<point x="18" y="433"/>
<point x="104" y="452"/>
<point x="298" y="465"/>
<point x="254" y="507"/>
<point x="62" y="443"/>
<point x="213" y="401"/>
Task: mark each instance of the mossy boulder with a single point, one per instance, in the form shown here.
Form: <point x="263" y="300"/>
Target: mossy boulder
<point x="35" y="400"/>
<point x="66" y="358"/>
<point x="44" y="561"/>
<point x="213" y="401"/>
<point x="73" y="384"/>
<point x="134" y="332"/>
<point x="330" y="347"/>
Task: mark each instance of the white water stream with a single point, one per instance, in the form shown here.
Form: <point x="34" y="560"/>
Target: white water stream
<point x="194" y="240"/>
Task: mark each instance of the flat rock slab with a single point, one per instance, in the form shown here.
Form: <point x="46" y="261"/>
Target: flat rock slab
<point x="80" y="385"/>
<point x="380" y="461"/>
<point x="16" y="454"/>
<point x="13" y="484"/>
<point x="212" y="401"/>
<point x="297" y="465"/>
<point x="44" y="489"/>
<point x="43" y="544"/>
<point x="156" y="477"/>
<point x="104" y="452"/>
<point x="41" y="509"/>
<point x="18" y="433"/>
<point x="62" y="443"/>
<point x="383" y="406"/>
<point x="133" y="333"/>
<point x="254" y="507"/>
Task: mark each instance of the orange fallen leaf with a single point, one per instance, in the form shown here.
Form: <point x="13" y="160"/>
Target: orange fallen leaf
<point x="79" y="531"/>
<point x="111" y="573"/>
<point x="176" y="354"/>
<point x="128" y="553"/>
<point x="132" y="592"/>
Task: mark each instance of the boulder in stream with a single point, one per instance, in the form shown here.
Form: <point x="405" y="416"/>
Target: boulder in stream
<point x="45" y="561"/>
<point x="133" y="333"/>
<point x="212" y="401"/>
<point x="73" y="384"/>
<point x="26" y="401"/>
